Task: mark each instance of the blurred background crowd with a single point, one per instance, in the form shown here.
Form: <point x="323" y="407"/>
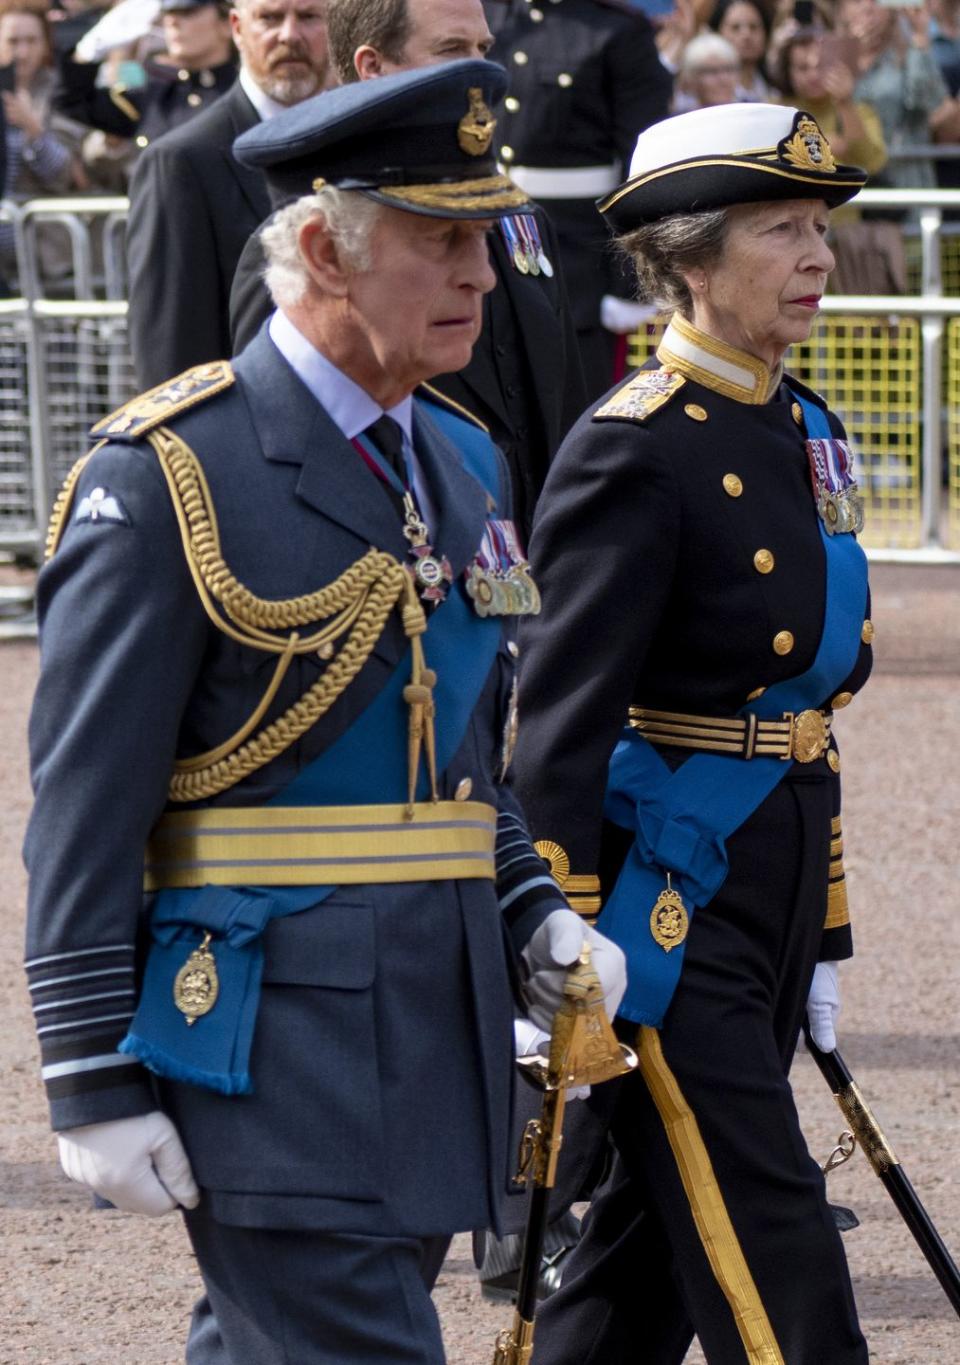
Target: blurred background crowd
<point x="86" y="87"/>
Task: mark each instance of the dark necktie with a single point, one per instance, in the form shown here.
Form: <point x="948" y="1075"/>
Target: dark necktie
<point x="386" y="435"/>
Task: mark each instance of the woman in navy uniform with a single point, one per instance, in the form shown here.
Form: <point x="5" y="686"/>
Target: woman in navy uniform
<point x="705" y="611"/>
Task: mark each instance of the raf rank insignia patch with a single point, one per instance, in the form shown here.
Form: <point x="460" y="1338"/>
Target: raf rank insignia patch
<point x="166" y="400"/>
<point x="641" y="396"/>
<point x="101" y="505"/>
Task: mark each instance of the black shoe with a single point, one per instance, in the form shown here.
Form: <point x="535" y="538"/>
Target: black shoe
<point x="503" y="1288"/>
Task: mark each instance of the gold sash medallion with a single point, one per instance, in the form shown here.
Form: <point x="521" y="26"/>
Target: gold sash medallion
<point x="196" y="985"/>
<point x="669" y="920"/>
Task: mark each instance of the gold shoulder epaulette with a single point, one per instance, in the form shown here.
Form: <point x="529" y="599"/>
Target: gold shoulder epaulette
<point x="433" y="395"/>
<point x="158" y="405"/>
<point x="641" y="396"/>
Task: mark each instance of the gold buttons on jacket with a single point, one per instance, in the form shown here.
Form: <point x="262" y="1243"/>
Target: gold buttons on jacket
<point x="841" y="699"/>
<point x="464" y="788"/>
<point x="732" y="485"/>
<point x="867" y="633"/>
<point x="193" y="99"/>
<point x="763" y="561"/>
<point x="536" y="15"/>
<point x="796" y="412"/>
<point x="757" y="692"/>
<point x="141" y="141"/>
<point x="520" y="58"/>
<point x="512" y="104"/>
<point x="565" y="80"/>
<point x="833" y="760"/>
<point x="506" y="153"/>
<point x="183" y="74"/>
<point x="208" y="80"/>
<point x="695" y="411"/>
<point x="513" y="649"/>
<point x="783" y="642"/>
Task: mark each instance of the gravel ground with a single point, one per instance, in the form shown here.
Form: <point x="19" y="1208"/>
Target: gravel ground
<point x="84" y="1288"/>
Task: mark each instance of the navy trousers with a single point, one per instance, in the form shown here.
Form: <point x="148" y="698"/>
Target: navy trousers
<point x="716" y="1220"/>
<point x="288" y="1297"/>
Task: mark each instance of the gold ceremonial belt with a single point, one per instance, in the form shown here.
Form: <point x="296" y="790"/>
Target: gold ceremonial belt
<point x="322" y="845"/>
<point x="801" y="736"/>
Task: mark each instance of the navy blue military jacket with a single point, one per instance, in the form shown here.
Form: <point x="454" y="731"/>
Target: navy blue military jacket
<point x="646" y="548"/>
<point x="382" y="1056"/>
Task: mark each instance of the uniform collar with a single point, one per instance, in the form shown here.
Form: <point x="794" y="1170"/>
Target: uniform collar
<point x="715" y="364"/>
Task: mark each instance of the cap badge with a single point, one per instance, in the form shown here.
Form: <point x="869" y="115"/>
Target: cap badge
<point x="807" y="149"/>
<point x="475" y="129"/>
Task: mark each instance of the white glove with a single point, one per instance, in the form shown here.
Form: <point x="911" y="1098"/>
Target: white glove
<point x="823" y="1006"/>
<point x="553" y="948"/>
<point x="528" y="1039"/>
<point x="138" y="1164"/>
<point x="624" y="315"/>
<point x="123" y="24"/>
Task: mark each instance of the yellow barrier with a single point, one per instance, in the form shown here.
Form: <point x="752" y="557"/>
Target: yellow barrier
<point x="869" y="371"/>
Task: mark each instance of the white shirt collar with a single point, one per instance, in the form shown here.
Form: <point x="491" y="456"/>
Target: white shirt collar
<point x="350" y="406"/>
<point x="264" y="104"/>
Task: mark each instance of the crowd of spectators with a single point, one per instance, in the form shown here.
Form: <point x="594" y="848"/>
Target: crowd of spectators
<point x="86" y="86"/>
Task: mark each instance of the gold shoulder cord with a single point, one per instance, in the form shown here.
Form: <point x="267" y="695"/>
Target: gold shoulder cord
<point x="356" y="605"/>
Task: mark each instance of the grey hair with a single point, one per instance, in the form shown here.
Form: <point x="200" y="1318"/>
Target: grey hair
<point x="662" y="251"/>
<point x="704" y="48"/>
<point x="349" y="218"/>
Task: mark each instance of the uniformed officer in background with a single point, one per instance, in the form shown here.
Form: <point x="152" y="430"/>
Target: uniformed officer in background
<point x="198" y="67"/>
<point x="524" y="379"/>
<point x="299" y="743"/>
<point x="585" y="80"/>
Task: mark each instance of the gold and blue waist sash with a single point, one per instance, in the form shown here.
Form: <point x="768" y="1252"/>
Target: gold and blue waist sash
<point x="314" y="845"/>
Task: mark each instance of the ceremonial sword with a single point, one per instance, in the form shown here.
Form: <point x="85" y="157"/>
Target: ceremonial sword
<point x="867" y="1131"/>
<point x="583" y="1051"/>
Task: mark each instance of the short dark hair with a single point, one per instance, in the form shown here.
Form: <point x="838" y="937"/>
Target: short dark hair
<point x="383" y="24"/>
<point x="803" y="37"/>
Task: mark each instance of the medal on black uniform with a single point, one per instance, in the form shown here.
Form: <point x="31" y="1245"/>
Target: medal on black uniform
<point x="499" y="581"/>
<point x="430" y="572"/>
<point x="839" y="504"/>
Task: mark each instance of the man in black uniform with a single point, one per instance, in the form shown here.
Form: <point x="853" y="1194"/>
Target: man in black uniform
<point x="193" y="206"/>
<point x="585" y="80"/>
<point x="201" y="66"/>
<point x="524" y="380"/>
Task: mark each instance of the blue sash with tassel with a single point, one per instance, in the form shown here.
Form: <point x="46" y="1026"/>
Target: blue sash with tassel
<point x="680" y="820"/>
<point x="367" y="764"/>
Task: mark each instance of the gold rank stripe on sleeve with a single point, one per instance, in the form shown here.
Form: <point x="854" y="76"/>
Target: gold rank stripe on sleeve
<point x="581" y="889"/>
<point x="838" y="910"/>
<point x="640" y="397"/>
<point x="707" y="1205"/>
<point x="159" y="404"/>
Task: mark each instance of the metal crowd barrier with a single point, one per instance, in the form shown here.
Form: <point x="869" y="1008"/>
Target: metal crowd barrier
<point x="890" y="366"/>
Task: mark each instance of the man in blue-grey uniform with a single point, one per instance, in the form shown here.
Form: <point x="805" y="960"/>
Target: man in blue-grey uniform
<point x="277" y="695"/>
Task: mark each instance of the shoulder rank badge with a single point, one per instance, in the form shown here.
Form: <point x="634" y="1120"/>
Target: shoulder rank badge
<point x="101" y="505"/>
<point x="159" y="404"/>
<point x="641" y="396"/>
<point x="499" y="581"/>
<point x="839" y="504"/>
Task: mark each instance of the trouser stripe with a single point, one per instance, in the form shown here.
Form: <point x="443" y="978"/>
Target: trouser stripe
<point x="704" y="1196"/>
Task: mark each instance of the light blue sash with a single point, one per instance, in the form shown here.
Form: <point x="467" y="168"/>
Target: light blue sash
<point x="681" y="819"/>
<point x="367" y="764"/>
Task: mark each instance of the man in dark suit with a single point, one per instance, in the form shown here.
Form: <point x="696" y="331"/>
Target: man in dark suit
<point x="193" y="207"/>
<point x="318" y="1073"/>
<point x="524" y="380"/>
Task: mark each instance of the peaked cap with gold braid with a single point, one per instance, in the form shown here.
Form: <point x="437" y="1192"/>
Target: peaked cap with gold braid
<point x="728" y="154"/>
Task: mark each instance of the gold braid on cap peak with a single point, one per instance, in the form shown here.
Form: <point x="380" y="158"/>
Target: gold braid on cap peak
<point x="490" y="191"/>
